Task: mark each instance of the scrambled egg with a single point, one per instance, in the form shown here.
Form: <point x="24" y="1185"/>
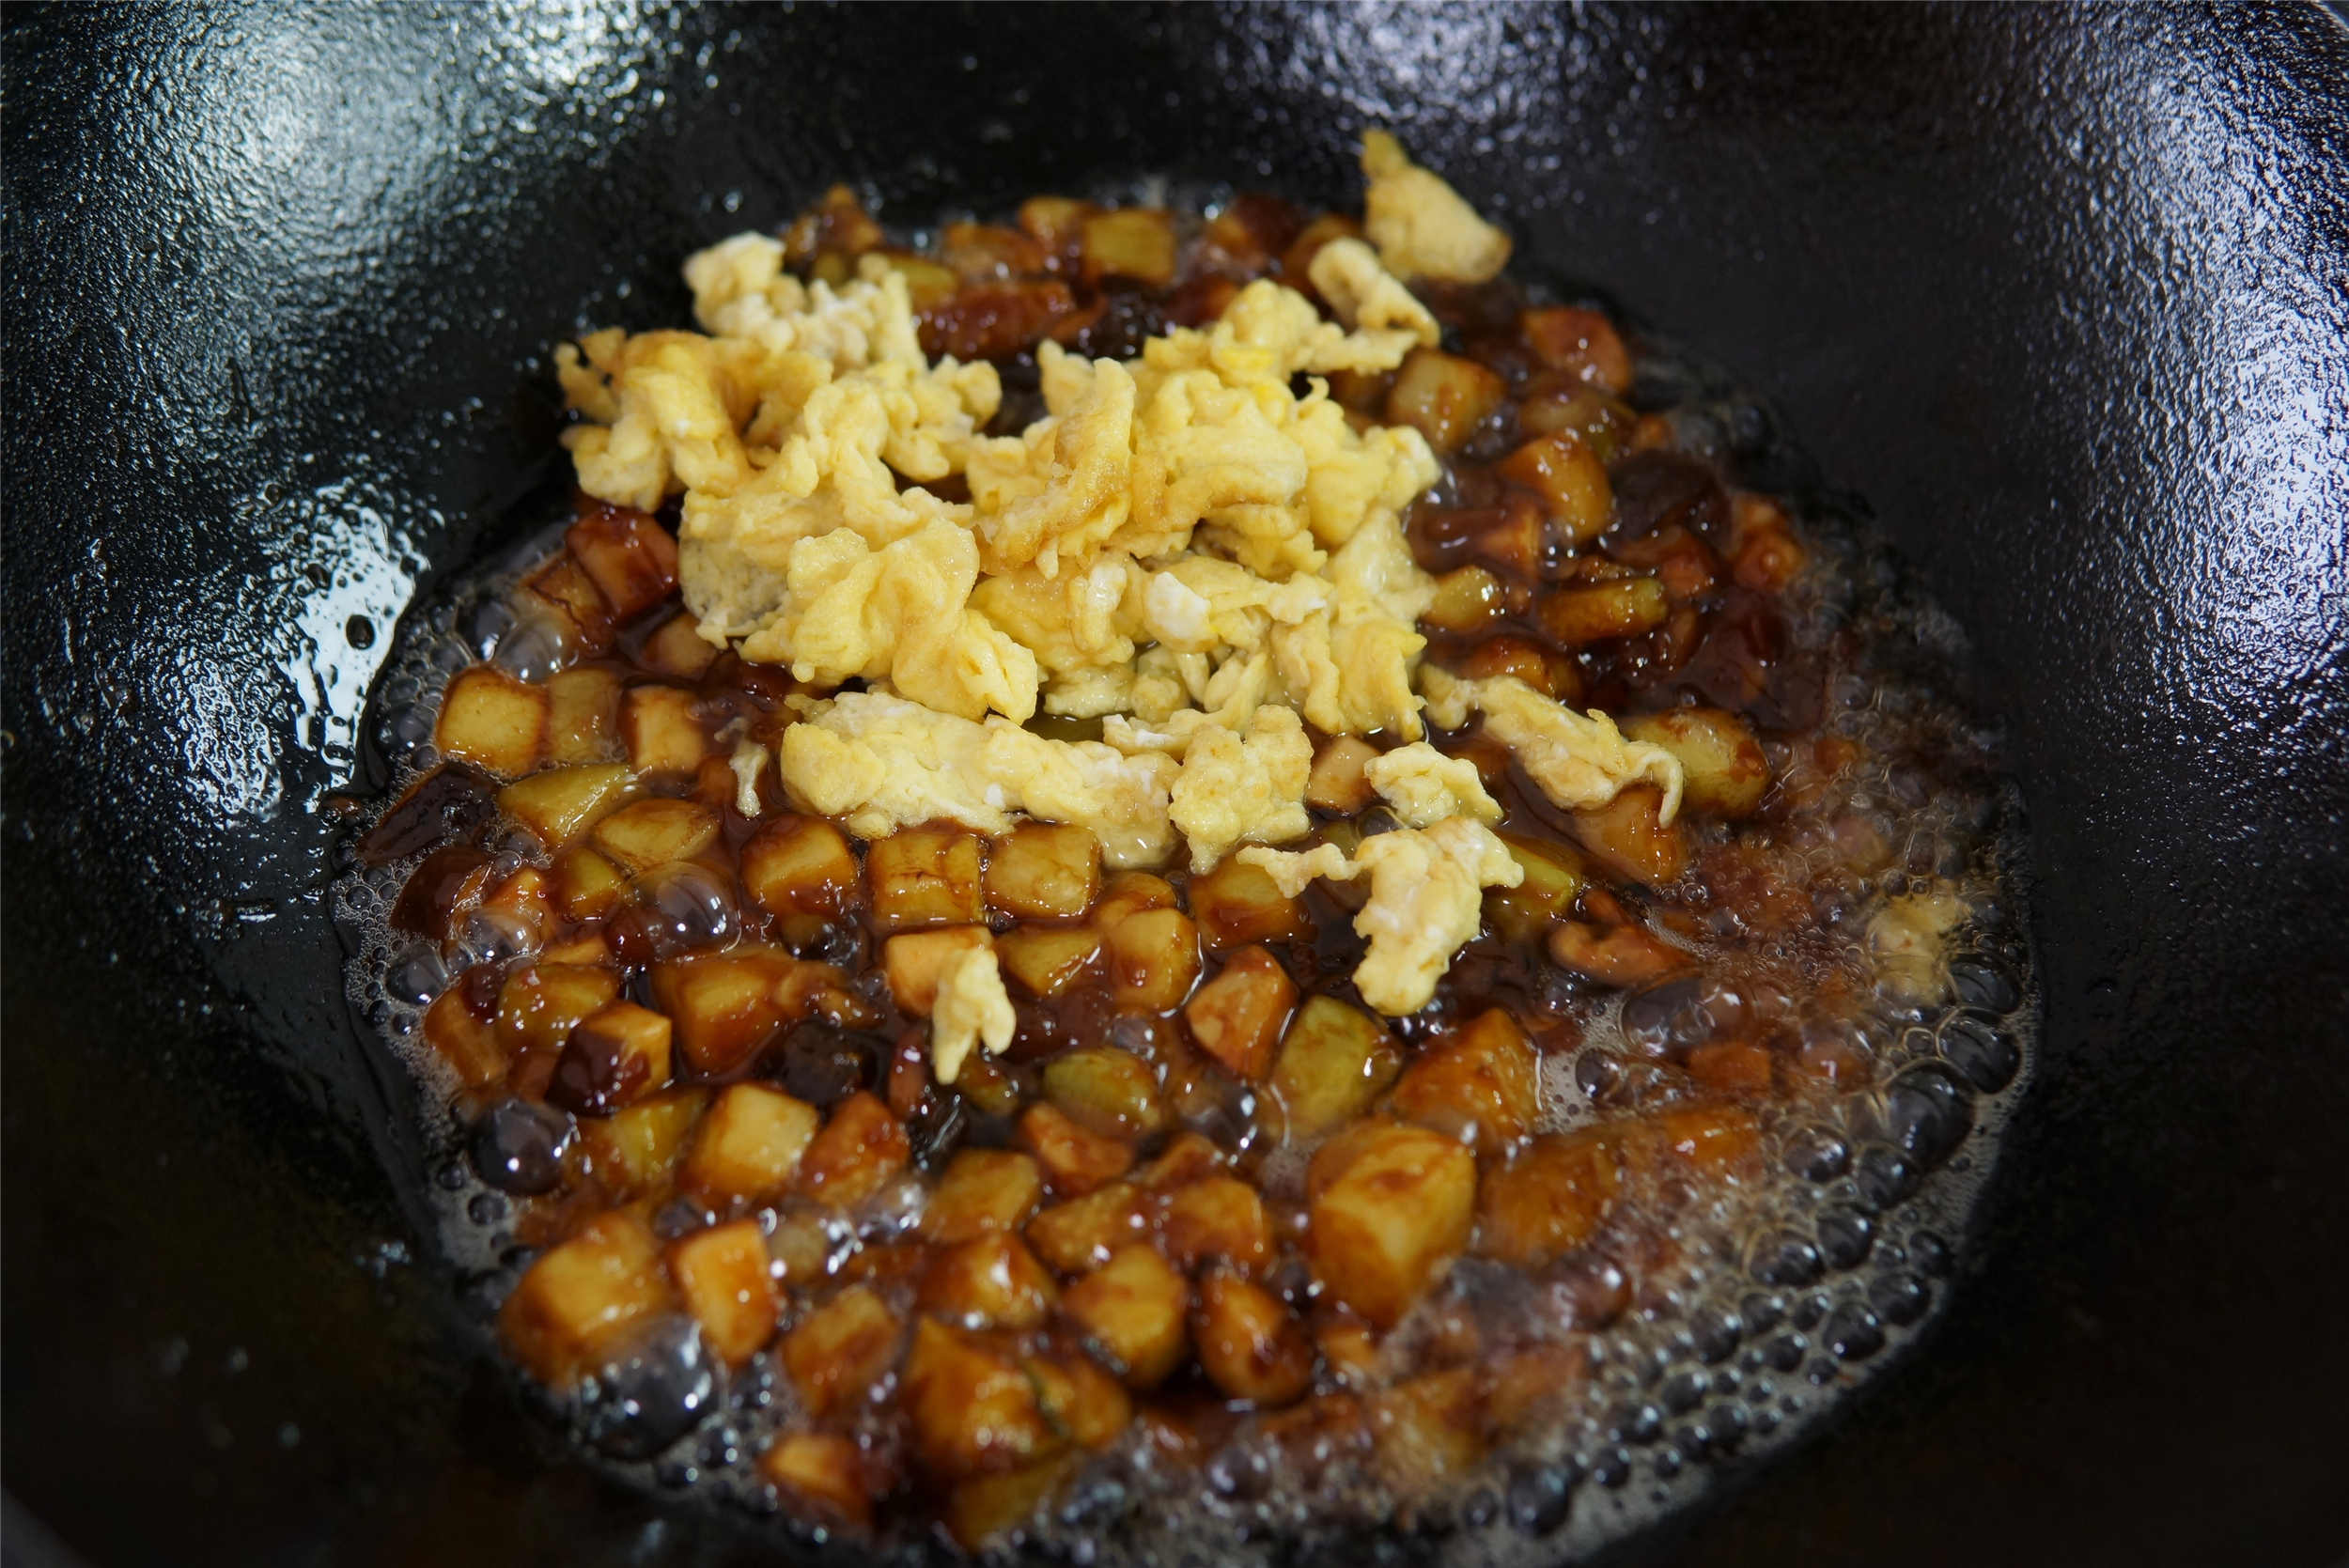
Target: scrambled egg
<point x="972" y="1007"/>
<point x="1908" y="937"/>
<point x="1427" y="900"/>
<point x="1423" y="786"/>
<point x="1579" y="761"/>
<point x="1234" y="790"/>
<point x="1422" y="227"/>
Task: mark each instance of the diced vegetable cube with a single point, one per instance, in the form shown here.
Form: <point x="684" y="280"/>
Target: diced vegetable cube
<point x="1076" y="1394"/>
<point x="1572" y="482"/>
<point x="1338" y="783"/>
<point x="617" y="1054"/>
<point x="750" y="1144"/>
<point x="649" y="833"/>
<point x="1075" y="1161"/>
<point x="1594" y="612"/>
<point x="1153" y="960"/>
<point x="586" y="885"/>
<point x="1078" y="1236"/>
<point x="489" y="719"/>
<point x="1554" y="879"/>
<point x="539" y="1004"/>
<point x="1349" y="1350"/>
<point x="579" y="1294"/>
<point x="840" y="1350"/>
<point x="1136" y="242"/>
<point x="677" y="649"/>
<point x="1627" y="835"/>
<point x="924" y="876"/>
<point x="628" y="556"/>
<point x="1443" y="397"/>
<point x="982" y="1190"/>
<point x="801" y="866"/>
<point x="981" y="1511"/>
<point x="1333" y="1062"/>
<point x="1613" y="955"/>
<point x="1129" y="893"/>
<point x="1133" y="1309"/>
<point x="1188" y="1157"/>
<point x="1577" y="343"/>
<point x="582" y="715"/>
<point x="1480" y="1086"/>
<point x="723" y="1276"/>
<point x="1237" y="903"/>
<point x="634" y="1150"/>
<point x="466" y="1042"/>
<point x="1551" y="1200"/>
<point x="563" y="594"/>
<point x="970" y="1406"/>
<point x="660" y="730"/>
<point x="725" y="1006"/>
<point x="823" y="1471"/>
<point x="1045" y="961"/>
<point x="914" y="960"/>
<point x="1384" y="1224"/>
<point x="1251" y="1345"/>
<point x="1220" y="1218"/>
<point x="1709" y="1138"/>
<point x="1238" y="1017"/>
<point x="1044" y="871"/>
<point x="1731" y="1067"/>
<point x="581" y="947"/>
<point x="1722" y="769"/>
<point x="1544" y="669"/>
<point x="560" y="803"/>
<point x="1430" y="1428"/>
<point x="989" y="1281"/>
<point x="1467" y="599"/>
<point x="1056" y="223"/>
<point x="1105" y="1091"/>
<point x="860" y="1149"/>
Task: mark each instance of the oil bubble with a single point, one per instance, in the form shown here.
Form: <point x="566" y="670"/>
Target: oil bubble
<point x="651" y="1388"/>
<point x="1979" y="1048"/>
<point x="1929" y="1112"/>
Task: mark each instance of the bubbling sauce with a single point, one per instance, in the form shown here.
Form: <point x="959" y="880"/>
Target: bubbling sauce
<point x="1771" y="1052"/>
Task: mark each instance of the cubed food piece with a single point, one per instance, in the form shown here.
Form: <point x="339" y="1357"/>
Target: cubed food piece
<point x="1518" y="541"/>
<point x="1337" y="783"/>
<point x="1334" y="1063"/>
<point x="580" y="947"/>
<point x="1136" y="242"/>
<point x="750" y="1144"/>
<point x="1044" y="871"/>
<point x="1570" y="480"/>
<point x="1553" y="406"/>
<point x="725" y="1006"/>
<point x="924" y="876"/>
<point x="800" y="865"/>
<point x="1577" y="343"/>
<point x="989" y="1085"/>
<point x="1534" y="1384"/>
<point x="1188" y="1157"/>
<point x="560" y="803"/>
<point x="1629" y="835"/>
<point x="1551" y="1200"/>
<point x="492" y="720"/>
<point x="1131" y="892"/>
<point x="1732" y="1067"/>
<point x="860" y="1149"/>
<point x="1238" y="1017"/>
<point x="1153" y="960"/>
<point x="439" y="890"/>
<point x="1078" y="1396"/>
<point x="726" y="1279"/>
<point x="632" y="1151"/>
<point x="521" y="905"/>
<point x="982" y="1190"/>
<point x="628" y="556"/>
<point x="1047" y="960"/>
<point x="1480" y="1086"/>
<point x="1250" y="1345"/>
<point x="983" y="1512"/>
<point x="678" y="649"/>
<point x="1132" y="1310"/>
<point x="579" y="1294"/>
<point x="989" y="1281"/>
<point x="1595" y="611"/>
<point x="1078" y="1236"/>
<point x="1105" y="1091"/>
<point x="1722" y="766"/>
<point x="1349" y="1351"/>
<point x="822" y="1473"/>
<point x="616" y="1055"/>
<point x="915" y="960"/>
<point x="465" y="1041"/>
<point x="1218" y="1218"/>
<point x="1432" y="1429"/>
<point x="660" y="730"/>
<point x="565" y="597"/>
<point x="1767" y="559"/>
<point x="840" y="1350"/>
<point x="1075" y="1161"/>
<point x="970" y="1406"/>
<point x="655" y="832"/>
<point x="539" y="1004"/>
<point x="1554" y="878"/>
<point x="1338" y="1150"/>
<point x="1443" y="397"/>
<point x="1469" y="598"/>
<point x="1710" y="1138"/>
<point x="1383" y="1226"/>
<point x="1544" y="668"/>
<point x="979" y="252"/>
<point x="586" y="885"/>
<point x="582" y="715"/>
<point x="1236" y="903"/>
<point x="1613" y="955"/>
<point x="453" y="804"/>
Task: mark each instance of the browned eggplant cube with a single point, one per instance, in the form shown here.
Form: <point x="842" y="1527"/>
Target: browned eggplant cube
<point x="1595" y="611"/>
<point x="660" y="730"/>
<point x="1154" y="960"/>
<point x="1044" y="871"/>
<point x="563" y="594"/>
<point x="560" y="803"/>
<point x="1613" y="955"/>
<point x="1629" y="835"/>
<point x="678" y="649"/>
<point x="1431" y="1429"/>
<point x="1480" y="1086"/>
<point x="1238" y="1017"/>
<point x="727" y="1283"/>
<point x="633" y="1150"/>
<point x="1075" y="1161"/>
<point x="654" y="832"/>
<point x="586" y="885"/>
<point x="914" y="960"/>
<point x="924" y="876"/>
<point x="1544" y="668"/>
<point x="1137" y="242"/>
<point x="1105" y="1091"/>
<point x="539" y="1004"/>
<point x="1554" y="880"/>
<point x="1467" y="599"/>
<point x="1334" y="1063"/>
<point x="1236" y="903"/>
<point x="725" y="1006"/>
<point x="466" y="1042"/>
<point x="1218" y="1218"/>
<point x="860" y="1149"/>
<point x="1188" y="1157"/>
<point x="1133" y="1309"/>
<point x="822" y="1472"/>
<point x="1078" y="1236"/>
<point x="750" y="1144"/>
<point x="970" y="1406"/>
<point x="1549" y="1201"/>
<point x="1571" y="481"/>
<point x="800" y="865"/>
<point x="628" y="556"/>
<point x="492" y="720"/>
<point x="1443" y="397"/>
<point x="1580" y="343"/>
<point x="1723" y="770"/>
<point x="1384" y="1224"/>
<point x="840" y="1350"/>
<point x="1045" y="960"/>
<point x="989" y="1281"/>
<point x="1250" y="1345"/>
<point x="582" y="715"/>
<point x="982" y="1190"/>
<point x="616" y="1054"/>
<point x="579" y="1294"/>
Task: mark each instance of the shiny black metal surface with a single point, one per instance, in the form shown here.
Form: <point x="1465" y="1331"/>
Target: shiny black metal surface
<point x="2064" y="293"/>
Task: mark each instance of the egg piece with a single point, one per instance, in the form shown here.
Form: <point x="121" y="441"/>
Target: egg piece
<point x="970" y="1008"/>
<point x="1422" y="227"/>
<point x="1251" y="789"/>
<point x="1579" y="760"/>
<point x="1423" y="786"/>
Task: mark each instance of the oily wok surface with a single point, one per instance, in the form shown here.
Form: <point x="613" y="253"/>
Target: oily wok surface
<point x="2060" y="294"/>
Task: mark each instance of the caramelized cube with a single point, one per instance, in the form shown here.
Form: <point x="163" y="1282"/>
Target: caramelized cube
<point x="654" y="832"/>
<point x="1251" y="1345"/>
<point x="1431" y="1429"/>
<point x="924" y="876"/>
<point x="634" y="1150"/>
<point x="1467" y="599"/>
<point x="467" y="1042"/>
<point x="1237" y="903"/>
<point x="1056" y="223"/>
<point x="1594" y="612"/>
<point x="1044" y="871"/>
<point x="1238" y="1017"/>
<point x="1549" y="1201"/>
<point x="840" y="1350"/>
<point x="1614" y="955"/>
<point x="660" y="730"/>
<point x="1767" y="559"/>
<point x="724" y="1276"/>
<point x="1075" y="1161"/>
<point x="1626" y="833"/>
<point x="800" y="865"/>
<point x="1350" y="1351"/>
<point x="970" y="1406"/>
<point x="1045" y="961"/>
<point x="1188" y="1157"/>
<point x="981" y="1511"/>
<point x="820" y="1470"/>
<point x="586" y="885"/>
<point x="1577" y="343"/>
<point x="1443" y="397"/>
<point x="1129" y="893"/>
<point x="563" y="802"/>
<point x="579" y="1294"/>
<point x="617" y="1054"/>
<point x="1554" y="880"/>
<point x="989" y="1281"/>
<point x="1105" y="1091"/>
<point x="581" y="947"/>
<point x="1079" y="1237"/>
<point x="628" y="557"/>
<point x="489" y="719"/>
<point x="564" y="595"/>
<point x="1571" y="481"/>
<point x="914" y="961"/>
<point x="1076" y="1394"/>
<point x="1137" y="242"/>
<point x="725" y="1006"/>
<point x="539" y="1004"/>
<point x="582" y="715"/>
<point x="1731" y="1067"/>
<point x="678" y="649"/>
<point x="1722" y="769"/>
<point x="1545" y="670"/>
<point x="982" y="1190"/>
<point x="1220" y="1218"/>
<point x="1337" y="783"/>
<point x="1383" y="1225"/>
<point x="750" y="1144"/>
<point x="1482" y="1086"/>
<point x="1709" y="1138"/>
<point x="1335" y="1061"/>
<point x="860" y="1148"/>
<point x="1153" y="959"/>
<point x="1132" y="1308"/>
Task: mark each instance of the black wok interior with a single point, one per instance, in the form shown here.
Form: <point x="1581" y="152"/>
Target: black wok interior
<point x="2062" y="293"/>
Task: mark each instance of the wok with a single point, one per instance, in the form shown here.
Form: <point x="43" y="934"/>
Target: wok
<point x="2063" y="294"/>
